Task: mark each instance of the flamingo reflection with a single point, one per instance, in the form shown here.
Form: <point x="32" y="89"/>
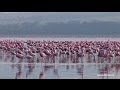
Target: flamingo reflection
<point x="19" y="74"/>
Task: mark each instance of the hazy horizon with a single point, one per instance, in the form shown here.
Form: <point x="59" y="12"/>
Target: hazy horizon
<point x="59" y="23"/>
<point x="42" y="17"/>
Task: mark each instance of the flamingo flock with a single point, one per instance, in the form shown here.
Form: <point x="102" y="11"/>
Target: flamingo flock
<point x="31" y="49"/>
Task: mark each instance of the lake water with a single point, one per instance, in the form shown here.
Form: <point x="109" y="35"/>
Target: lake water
<point x="64" y="70"/>
<point x="75" y="71"/>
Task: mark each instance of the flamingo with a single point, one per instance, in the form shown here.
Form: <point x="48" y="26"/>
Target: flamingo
<point x="102" y="49"/>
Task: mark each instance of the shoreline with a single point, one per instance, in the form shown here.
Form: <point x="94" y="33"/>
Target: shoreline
<point x="63" y="38"/>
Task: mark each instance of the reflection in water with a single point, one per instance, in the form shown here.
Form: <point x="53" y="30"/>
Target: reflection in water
<point x="80" y="71"/>
<point x="68" y="67"/>
<point x="30" y="69"/>
<point x="19" y="72"/>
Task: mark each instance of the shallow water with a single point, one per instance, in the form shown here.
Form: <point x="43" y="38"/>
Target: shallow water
<point x="11" y="69"/>
<point x="64" y="38"/>
<point x="81" y="71"/>
<point x="61" y="69"/>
